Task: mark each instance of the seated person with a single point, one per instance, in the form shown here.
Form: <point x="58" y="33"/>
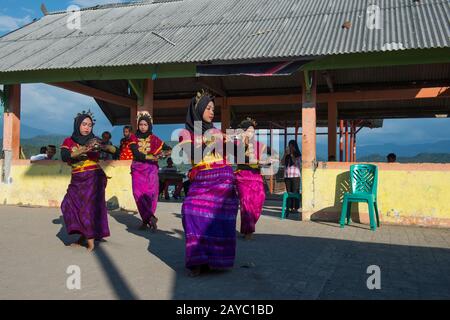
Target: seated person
<point x="47" y="153"/>
<point x="106" y="140"/>
<point x="391" y="158"/>
<point x="170" y="168"/>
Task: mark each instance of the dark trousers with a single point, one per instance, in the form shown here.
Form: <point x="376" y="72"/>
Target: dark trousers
<point x="293" y="186"/>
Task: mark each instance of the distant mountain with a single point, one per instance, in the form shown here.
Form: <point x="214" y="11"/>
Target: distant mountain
<point x="27" y="132"/>
<point x="420" y="158"/>
<point x="411" y="150"/>
<point x="405" y="151"/>
<point x="31" y="146"/>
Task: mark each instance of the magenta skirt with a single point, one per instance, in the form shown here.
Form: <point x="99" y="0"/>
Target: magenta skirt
<point x="250" y="188"/>
<point x="145" y="184"/>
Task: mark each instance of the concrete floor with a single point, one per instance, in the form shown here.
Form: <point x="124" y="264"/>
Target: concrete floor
<point x="287" y="259"/>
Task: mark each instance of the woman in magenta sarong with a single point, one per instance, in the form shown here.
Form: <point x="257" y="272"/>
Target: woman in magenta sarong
<point x="147" y="149"/>
<point x="210" y="208"/>
<point x="249" y="182"/>
<point x="84" y="205"/>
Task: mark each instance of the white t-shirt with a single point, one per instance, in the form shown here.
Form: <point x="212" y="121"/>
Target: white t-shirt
<point x="38" y="157"/>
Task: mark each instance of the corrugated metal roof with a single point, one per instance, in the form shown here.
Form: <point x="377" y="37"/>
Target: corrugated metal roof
<point x="222" y="30"/>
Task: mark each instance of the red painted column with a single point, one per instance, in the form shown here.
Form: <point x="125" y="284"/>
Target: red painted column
<point x="346" y="141"/>
<point x="11" y="122"/>
<point x="355" y="128"/>
<point x="352" y="133"/>
<point x="332" y="120"/>
<point x="341" y="140"/>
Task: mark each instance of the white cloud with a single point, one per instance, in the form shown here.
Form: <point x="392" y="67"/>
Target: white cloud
<point x="53" y="109"/>
<point x="8" y="23"/>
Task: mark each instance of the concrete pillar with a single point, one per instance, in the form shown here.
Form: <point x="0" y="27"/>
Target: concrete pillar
<point x="309" y="123"/>
<point x="309" y="101"/>
<point x="11" y="122"/>
<point x="332" y="121"/>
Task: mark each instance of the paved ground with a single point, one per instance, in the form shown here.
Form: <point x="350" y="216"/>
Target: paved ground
<point x="287" y="260"/>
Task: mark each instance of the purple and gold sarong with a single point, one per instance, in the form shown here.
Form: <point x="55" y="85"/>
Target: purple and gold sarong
<point x="209" y="219"/>
<point x="84" y="206"/>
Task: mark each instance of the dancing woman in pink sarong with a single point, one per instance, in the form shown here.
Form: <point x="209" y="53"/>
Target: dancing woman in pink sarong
<point x="249" y="182"/>
<point x="147" y="149"/>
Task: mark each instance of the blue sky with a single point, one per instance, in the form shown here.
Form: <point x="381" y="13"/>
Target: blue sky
<point x="53" y="109"/>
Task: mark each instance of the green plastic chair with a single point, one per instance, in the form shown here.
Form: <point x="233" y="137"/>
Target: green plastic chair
<point x="286" y="196"/>
<point x="364" y="183"/>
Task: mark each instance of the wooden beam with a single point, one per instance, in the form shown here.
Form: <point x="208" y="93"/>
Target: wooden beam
<point x="265" y="100"/>
<point x="95" y="93"/>
<point x="180" y="103"/>
<point x="354" y="96"/>
<point x="101" y="73"/>
<point x="133" y="118"/>
<point x="225" y="115"/>
<point x="387" y="95"/>
<point x="213" y="84"/>
<point x="148" y="91"/>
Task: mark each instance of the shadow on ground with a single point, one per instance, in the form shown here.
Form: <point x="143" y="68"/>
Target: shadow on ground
<point x="298" y="267"/>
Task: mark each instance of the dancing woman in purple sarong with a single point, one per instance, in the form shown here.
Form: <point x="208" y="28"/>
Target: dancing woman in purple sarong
<point x="84" y="205"/>
<point x="249" y="182"/>
<point x="210" y="208"/>
<point x="147" y="149"/>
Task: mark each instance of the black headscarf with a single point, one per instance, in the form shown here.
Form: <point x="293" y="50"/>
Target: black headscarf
<point x="147" y="119"/>
<point x="195" y="113"/>
<point x="76" y="135"/>
<point x="247" y="123"/>
<point x="289" y="161"/>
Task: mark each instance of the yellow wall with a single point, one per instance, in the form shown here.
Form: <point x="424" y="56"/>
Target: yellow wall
<point x="45" y="184"/>
<point x="407" y="194"/>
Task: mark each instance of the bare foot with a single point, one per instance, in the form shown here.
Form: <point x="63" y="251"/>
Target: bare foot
<point x="195" y="272"/>
<point x="90" y="245"/>
<point x="79" y="243"/>
<point x="143" y="226"/>
<point x="248" y="236"/>
<point x="153" y="225"/>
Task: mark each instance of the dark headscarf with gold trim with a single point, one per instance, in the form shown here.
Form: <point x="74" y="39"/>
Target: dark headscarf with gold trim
<point x="147" y="118"/>
<point x="76" y="135"/>
<point x="196" y="109"/>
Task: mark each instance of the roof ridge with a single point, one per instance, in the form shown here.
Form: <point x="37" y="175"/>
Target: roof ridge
<point x="119" y="5"/>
